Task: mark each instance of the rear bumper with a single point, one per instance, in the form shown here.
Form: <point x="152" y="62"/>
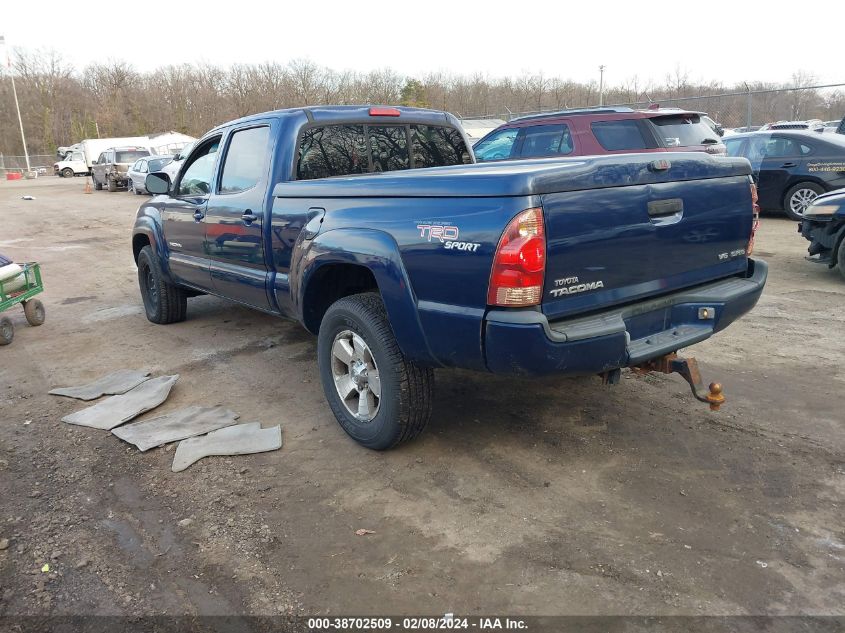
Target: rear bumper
<point x="525" y="342"/>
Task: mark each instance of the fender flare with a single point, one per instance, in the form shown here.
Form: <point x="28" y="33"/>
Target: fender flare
<point x="379" y="253"/>
<point x="148" y="224"/>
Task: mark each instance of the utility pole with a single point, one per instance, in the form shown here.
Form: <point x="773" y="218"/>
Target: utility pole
<point x="17" y="105"/>
<point x="601" y="85"/>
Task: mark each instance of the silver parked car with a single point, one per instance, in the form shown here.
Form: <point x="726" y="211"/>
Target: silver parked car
<point x="137" y="174"/>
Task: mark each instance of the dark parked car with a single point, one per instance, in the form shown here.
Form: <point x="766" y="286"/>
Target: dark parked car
<point x="137" y="174"/>
<point x="824" y="226"/>
<point x="600" y="131"/>
<point x="791" y="167"/>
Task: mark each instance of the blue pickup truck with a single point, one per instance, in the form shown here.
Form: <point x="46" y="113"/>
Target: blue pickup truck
<point x="563" y="266"/>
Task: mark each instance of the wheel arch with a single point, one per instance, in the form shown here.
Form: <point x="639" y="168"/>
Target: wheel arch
<point x="330" y="270"/>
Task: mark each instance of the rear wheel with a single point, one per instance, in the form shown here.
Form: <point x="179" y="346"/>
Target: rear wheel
<point x="799" y="197"/>
<point x="7" y="331"/>
<point x="67" y="172"/>
<point x="840" y="257"/>
<point x="163" y="302"/>
<point x="377" y="396"/>
<point x="112" y="184"/>
<point x="34" y="311"/>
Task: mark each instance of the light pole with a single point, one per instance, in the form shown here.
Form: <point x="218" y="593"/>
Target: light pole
<point x="17" y="105"/>
<point x="601" y="85"/>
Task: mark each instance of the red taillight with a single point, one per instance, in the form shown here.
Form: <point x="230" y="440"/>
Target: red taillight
<point x="755" y="222"/>
<point x="520" y="263"/>
<point x="384" y="112"/>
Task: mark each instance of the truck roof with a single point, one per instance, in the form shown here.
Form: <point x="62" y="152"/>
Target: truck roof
<point x="357" y="113"/>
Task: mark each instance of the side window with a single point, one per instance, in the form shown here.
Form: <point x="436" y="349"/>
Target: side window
<point x="246" y="160"/>
<point x="497" y="146"/>
<point x="546" y="140"/>
<point x="734" y="146"/>
<point x="389" y="146"/>
<point x="196" y="178"/>
<point x="806" y="150"/>
<point x="619" y="135"/>
<point x="781" y="148"/>
<point x="436" y="146"/>
<point x="101" y="159"/>
<point x="143" y="167"/>
<point x="333" y="150"/>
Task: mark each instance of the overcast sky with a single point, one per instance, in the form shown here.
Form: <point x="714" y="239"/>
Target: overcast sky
<point x="727" y="41"/>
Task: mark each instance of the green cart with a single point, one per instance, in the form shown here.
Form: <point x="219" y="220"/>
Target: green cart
<point x="20" y="289"/>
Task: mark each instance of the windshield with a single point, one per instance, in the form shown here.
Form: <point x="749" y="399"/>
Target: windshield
<point x="681" y="130"/>
<point x="157" y="163"/>
<point x="130" y="156"/>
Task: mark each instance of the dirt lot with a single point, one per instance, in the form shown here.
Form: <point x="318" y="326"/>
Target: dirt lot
<point x="525" y="497"/>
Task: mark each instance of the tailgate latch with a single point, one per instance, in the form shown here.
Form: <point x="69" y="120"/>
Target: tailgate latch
<point x="688" y="369"/>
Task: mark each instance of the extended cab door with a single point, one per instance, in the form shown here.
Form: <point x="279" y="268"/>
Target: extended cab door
<point x="235" y="216"/>
<point x="183" y="216"/>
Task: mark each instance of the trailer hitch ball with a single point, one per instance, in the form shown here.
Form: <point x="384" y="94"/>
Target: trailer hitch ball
<point x="716" y="398"/>
<point x="688" y="370"/>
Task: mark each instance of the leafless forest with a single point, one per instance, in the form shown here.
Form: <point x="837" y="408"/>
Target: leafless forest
<point x="61" y="105"/>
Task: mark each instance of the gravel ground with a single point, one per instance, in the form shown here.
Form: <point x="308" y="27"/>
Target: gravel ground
<point x="525" y="497"/>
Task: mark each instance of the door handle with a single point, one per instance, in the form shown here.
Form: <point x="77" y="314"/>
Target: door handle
<point x="249" y="217"/>
<point x="788" y="165"/>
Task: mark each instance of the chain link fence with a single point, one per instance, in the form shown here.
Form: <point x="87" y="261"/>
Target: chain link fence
<point x="737" y="109"/>
<point x="42" y="163"/>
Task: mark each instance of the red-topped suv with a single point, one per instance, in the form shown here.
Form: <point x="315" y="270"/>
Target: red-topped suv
<point x="601" y="131"/>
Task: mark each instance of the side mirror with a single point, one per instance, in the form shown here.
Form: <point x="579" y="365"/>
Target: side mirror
<point x="157" y="182"/>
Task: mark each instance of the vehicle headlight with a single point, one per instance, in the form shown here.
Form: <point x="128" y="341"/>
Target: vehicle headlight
<point x="820" y="210"/>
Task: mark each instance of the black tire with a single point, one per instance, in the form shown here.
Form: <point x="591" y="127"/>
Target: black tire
<point x="97" y="185"/>
<point x="7" y="331"/>
<point x="163" y="302"/>
<point x="34" y="311"/>
<point x="840" y="257"/>
<point x="793" y="191"/>
<point x="67" y="172"/>
<point x="112" y="184"/>
<point x="130" y="187"/>
<point x="405" y="400"/>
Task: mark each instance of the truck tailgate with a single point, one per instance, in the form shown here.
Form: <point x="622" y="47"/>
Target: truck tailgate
<point x="618" y="244"/>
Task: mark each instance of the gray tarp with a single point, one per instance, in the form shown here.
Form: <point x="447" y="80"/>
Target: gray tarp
<point x="116" y="410"/>
<point x="117" y="382"/>
<point x="241" y="439"/>
<point x="175" y="426"/>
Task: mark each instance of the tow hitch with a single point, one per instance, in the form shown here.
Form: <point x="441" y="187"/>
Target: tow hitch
<point x="688" y="369"/>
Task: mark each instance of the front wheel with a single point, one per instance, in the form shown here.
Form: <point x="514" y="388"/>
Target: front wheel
<point x="97" y="184"/>
<point x="112" y="184"/>
<point x="799" y="197"/>
<point x="67" y="172"/>
<point x="379" y="397"/>
<point x="163" y="302"/>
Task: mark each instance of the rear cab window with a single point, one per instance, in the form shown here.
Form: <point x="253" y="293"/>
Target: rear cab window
<point x="130" y="156"/>
<point x="348" y="149"/>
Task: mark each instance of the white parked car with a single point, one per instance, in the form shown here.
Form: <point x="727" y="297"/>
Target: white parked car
<point x="137" y="174"/>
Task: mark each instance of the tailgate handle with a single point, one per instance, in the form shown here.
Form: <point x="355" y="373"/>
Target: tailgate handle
<point x="662" y="208"/>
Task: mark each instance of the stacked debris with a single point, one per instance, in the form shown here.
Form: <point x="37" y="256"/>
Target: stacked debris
<point x="200" y="431"/>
